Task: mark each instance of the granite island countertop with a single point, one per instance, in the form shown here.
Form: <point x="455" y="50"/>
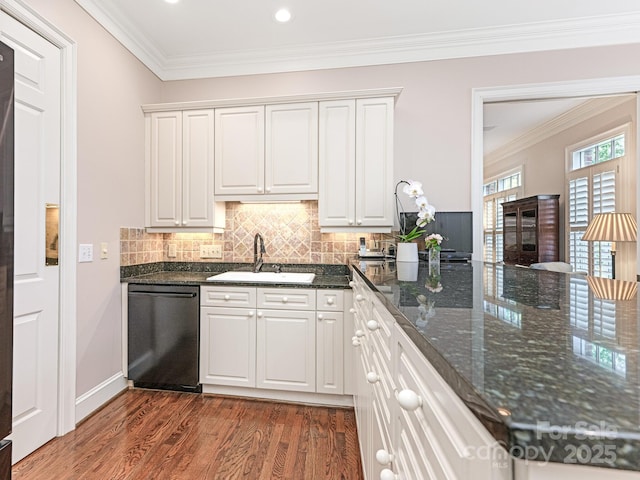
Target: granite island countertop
<point x="550" y="369"/>
<point x="196" y="273"/>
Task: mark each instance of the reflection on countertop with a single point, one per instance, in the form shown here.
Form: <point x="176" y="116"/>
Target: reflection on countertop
<point x="536" y="348"/>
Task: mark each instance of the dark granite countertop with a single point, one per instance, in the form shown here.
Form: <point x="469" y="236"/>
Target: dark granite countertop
<point x="196" y="273"/>
<point x="550" y="369"/>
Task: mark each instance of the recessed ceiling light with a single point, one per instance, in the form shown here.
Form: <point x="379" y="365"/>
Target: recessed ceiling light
<point x="283" y="15"/>
<point x="172" y="1"/>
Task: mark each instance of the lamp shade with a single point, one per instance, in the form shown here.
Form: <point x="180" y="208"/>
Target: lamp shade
<point x="612" y="227"/>
<point x="610" y="289"/>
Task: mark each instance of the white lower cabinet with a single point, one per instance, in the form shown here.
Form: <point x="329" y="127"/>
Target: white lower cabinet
<point x="272" y="338"/>
<point x="411" y="425"/>
<point x="286" y="350"/>
<point x="228" y="336"/>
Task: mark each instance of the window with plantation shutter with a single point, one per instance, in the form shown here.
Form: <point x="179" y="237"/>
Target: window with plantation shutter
<point x="502" y="189"/>
<point x="591" y="189"/>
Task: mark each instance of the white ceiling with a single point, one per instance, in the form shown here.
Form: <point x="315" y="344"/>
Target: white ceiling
<point x="207" y="38"/>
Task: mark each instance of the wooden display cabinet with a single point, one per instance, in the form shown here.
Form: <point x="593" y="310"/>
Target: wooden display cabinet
<point x="531" y="230"/>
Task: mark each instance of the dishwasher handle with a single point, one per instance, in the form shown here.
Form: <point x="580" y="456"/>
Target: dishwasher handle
<point x="160" y="294"/>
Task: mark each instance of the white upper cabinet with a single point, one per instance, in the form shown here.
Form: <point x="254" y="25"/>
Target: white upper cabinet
<point x="239" y="150"/>
<point x="356" y="164"/>
<point x="267" y="152"/>
<point x="291" y="162"/>
<point x="180" y="171"/>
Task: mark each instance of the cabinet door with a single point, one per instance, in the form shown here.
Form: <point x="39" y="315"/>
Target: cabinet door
<point x="197" y="168"/>
<point x="374" y="162"/>
<point x="165" y="165"/>
<point x="291" y="156"/>
<point x="228" y="346"/>
<point x="330" y="352"/>
<point x="239" y="151"/>
<point x="286" y="350"/>
<point x="337" y="167"/>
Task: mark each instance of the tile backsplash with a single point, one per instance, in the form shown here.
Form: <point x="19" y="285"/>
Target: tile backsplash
<point x="290" y="231"/>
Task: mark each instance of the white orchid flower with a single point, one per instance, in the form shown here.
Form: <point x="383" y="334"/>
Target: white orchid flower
<point x="413" y="189"/>
<point x="422" y="202"/>
<point x="426" y="215"/>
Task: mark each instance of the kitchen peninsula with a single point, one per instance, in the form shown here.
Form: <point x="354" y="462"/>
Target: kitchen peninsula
<point x="547" y="367"/>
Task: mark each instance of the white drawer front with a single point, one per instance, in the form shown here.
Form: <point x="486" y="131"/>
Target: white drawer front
<point x="228" y="296"/>
<point x="330" y="300"/>
<point x="442" y="425"/>
<point x="287" y="298"/>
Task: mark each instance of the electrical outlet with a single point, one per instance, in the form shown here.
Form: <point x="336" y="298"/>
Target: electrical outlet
<point x="173" y="250"/>
<point x="210" y="251"/>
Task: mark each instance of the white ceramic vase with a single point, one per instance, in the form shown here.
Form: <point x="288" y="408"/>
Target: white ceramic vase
<point x="407" y="252"/>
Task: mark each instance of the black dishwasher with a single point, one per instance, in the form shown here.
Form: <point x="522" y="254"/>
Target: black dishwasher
<point x="163" y="340"/>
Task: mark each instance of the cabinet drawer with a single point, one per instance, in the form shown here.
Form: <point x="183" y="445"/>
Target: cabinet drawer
<point x="228" y="297"/>
<point x="287" y="298"/>
<point x="330" y="300"/>
<point x="442" y="430"/>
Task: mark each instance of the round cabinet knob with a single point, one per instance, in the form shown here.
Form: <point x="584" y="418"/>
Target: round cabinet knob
<point x="184" y="222"/>
<point x="372" y="325"/>
<point x="350" y="222"/>
<point x="387" y="474"/>
<point x="260" y="314"/>
<point x="359" y="297"/>
<point x="268" y="189"/>
<point x="330" y="301"/>
<point x="320" y="317"/>
<point x="383" y="457"/>
<point x="359" y="222"/>
<point x="285" y="299"/>
<point x="372" y="377"/>
<point x="259" y="189"/>
<point x="251" y="312"/>
<point x="359" y="333"/>
<point x="355" y="342"/>
<point x="352" y="284"/>
<point x="352" y="310"/>
<point x="409" y="400"/>
<point x="177" y="222"/>
<point x="227" y="298"/>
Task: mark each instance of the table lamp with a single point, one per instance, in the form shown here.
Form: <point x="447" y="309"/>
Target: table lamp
<point x="612" y="227"/>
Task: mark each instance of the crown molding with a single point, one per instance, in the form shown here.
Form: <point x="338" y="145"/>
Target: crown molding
<point x="566" y="120"/>
<point x="529" y="37"/>
<point x="305" y="97"/>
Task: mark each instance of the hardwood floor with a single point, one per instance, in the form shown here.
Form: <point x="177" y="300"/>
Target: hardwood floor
<point x="148" y="435"/>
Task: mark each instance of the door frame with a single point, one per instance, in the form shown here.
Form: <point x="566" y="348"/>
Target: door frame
<point x="576" y="88"/>
<point x="18" y="9"/>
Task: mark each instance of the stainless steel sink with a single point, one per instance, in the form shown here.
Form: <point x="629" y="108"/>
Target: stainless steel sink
<point x="263" y="277"/>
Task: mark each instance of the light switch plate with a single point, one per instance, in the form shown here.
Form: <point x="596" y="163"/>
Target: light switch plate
<point x="104" y="250"/>
<point x="85" y="252"/>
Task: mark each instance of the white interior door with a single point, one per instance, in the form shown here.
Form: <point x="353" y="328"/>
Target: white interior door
<point x="36" y="287"/>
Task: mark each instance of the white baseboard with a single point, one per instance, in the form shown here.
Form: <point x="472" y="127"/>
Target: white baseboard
<point x="310" y="398"/>
<point x="99" y="395"/>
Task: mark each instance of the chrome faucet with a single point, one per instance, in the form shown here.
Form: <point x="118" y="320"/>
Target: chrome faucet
<point x="257" y="261"/>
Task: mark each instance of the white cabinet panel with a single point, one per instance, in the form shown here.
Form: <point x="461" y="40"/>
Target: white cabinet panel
<point x="287" y="298"/>
<point x="180" y="171"/>
<point x="239" y="150"/>
<point x="165" y="169"/>
<point x="291" y="157"/>
<point x="330" y="352"/>
<point x="228" y="346"/>
<point x="264" y="153"/>
<point x="356" y="164"/>
<point x="286" y="350"/>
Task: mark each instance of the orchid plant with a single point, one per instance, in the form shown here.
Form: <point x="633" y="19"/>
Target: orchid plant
<point x="426" y="212"/>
